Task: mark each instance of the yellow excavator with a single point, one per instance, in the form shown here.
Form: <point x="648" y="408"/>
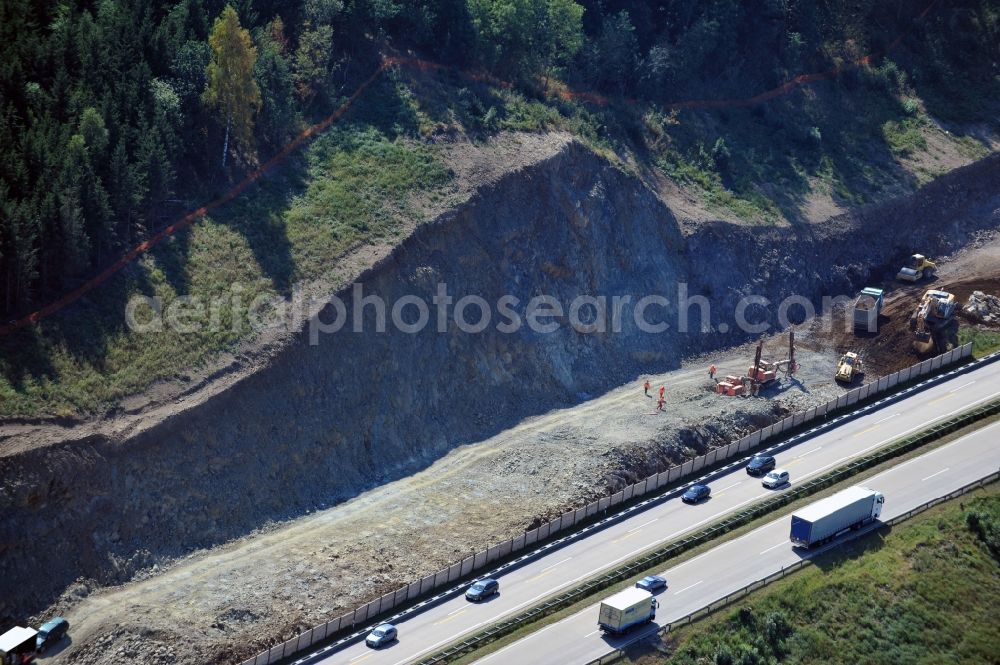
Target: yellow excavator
<point x="849" y="368"/>
<point x="916" y="268"/>
<point x="933" y="322"/>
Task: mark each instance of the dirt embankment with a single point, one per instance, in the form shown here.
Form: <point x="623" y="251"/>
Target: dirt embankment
<point x="320" y="423"/>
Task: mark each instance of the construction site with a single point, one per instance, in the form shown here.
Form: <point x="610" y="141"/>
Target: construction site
<point x="313" y="310"/>
<point x="336" y="485"/>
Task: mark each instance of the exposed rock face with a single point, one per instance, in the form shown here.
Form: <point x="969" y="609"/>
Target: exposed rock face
<point x="320" y="422"/>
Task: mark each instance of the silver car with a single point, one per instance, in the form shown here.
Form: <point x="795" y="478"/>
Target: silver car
<point x="382" y="634"/>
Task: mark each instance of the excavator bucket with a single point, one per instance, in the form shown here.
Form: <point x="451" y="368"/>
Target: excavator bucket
<point x="923" y="342"/>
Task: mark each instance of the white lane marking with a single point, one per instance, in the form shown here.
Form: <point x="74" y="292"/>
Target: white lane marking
<point x="729" y="487"/>
<point x="500" y="616"/>
<point x="846" y="457"/>
<point x="774" y="547"/>
<point x="809" y="452"/>
<point x="771" y="524"/>
<point x="886" y="418"/>
<point x="899" y="436"/>
<point x="747" y="535"/>
<point x="558" y="563"/>
<point x="451" y="616"/>
<point x="509" y="646"/>
<point x="934" y="452"/>
<point x="689" y="587"/>
<point x="674" y="535"/>
<point x="682" y="531"/>
<point x="656" y="542"/>
<point x="642" y="525"/>
<point x="969" y="406"/>
<point x="593" y="632"/>
<point x="933" y="474"/>
<point x="955" y="390"/>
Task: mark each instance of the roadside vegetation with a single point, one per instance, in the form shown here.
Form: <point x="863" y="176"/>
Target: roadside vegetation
<point x="544" y="620"/>
<point x="984" y="342"/>
<point x="923" y="592"/>
<point x="116" y="118"/>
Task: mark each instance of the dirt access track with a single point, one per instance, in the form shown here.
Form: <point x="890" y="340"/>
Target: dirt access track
<point x="213" y="528"/>
<point x="410" y="527"/>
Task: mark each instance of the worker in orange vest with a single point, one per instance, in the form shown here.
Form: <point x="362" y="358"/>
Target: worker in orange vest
<point x="646" y="386"/>
<point x="711" y="372"/>
<point x="662" y="390"/>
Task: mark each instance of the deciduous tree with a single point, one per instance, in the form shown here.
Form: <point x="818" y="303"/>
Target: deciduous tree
<point x="231" y="89"/>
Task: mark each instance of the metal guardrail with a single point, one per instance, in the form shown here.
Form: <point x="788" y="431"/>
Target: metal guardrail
<point x="358" y="620"/>
<point x="677" y="548"/>
<point x="732" y="597"/>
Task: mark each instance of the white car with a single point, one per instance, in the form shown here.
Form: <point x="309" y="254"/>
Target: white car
<point x="775" y="478"/>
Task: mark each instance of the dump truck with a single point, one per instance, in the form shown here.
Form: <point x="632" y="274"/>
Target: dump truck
<point x="824" y="520"/>
<point x="849" y="368"/>
<point x="933" y="322"/>
<point x="867" y="308"/>
<point x="17" y="646"/>
<point x="626" y="610"/>
<point x="917" y="267"/>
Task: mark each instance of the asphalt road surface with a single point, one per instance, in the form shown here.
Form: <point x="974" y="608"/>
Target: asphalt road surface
<point x="737" y="563"/>
<point x="726" y="568"/>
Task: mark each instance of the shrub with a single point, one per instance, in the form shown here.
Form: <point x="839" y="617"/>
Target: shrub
<point x="720" y="154"/>
<point x="984" y="521"/>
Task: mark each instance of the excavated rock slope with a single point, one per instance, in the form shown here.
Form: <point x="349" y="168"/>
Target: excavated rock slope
<point x="319" y="423"/>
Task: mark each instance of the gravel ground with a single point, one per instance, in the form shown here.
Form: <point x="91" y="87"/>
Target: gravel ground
<point x="311" y="569"/>
<point x="227" y="602"/>
<point x="297" y="574"/>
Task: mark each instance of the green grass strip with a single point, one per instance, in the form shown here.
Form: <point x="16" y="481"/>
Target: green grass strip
<point x="658" y="556"/>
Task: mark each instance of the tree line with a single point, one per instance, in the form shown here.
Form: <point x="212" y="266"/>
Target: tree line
<point x="113" y="111"/>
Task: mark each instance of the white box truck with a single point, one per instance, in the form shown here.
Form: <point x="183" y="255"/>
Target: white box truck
<point x="17" y="646"/>
<point x="626" y="609"/>
<point x="825" y="519"/>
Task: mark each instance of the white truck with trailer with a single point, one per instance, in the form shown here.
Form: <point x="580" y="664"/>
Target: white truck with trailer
<point x="824" y="520"/>
<point x="625" y="610"/>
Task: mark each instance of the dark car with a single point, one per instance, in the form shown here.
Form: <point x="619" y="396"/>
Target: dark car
<point x="696" y="493"/>
<point x="652" y="583"/>
<point x="383" y="634"/>
<point x="482" y="589"/>
<point x="760" y="464"/>
<point x="50" y="633"/>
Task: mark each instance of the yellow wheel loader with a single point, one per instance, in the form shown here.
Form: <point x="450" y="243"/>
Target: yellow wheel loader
<point x="849" y="368"/>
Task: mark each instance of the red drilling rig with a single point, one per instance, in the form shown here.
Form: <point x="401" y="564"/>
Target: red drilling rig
<point x="760" y="374"/>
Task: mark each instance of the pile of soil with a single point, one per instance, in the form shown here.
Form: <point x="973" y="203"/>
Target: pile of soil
<point x="976" y="268"/>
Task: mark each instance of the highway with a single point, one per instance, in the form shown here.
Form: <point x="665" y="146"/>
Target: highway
<point x="575" y="639"/>
<point x="739" y="562"/>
